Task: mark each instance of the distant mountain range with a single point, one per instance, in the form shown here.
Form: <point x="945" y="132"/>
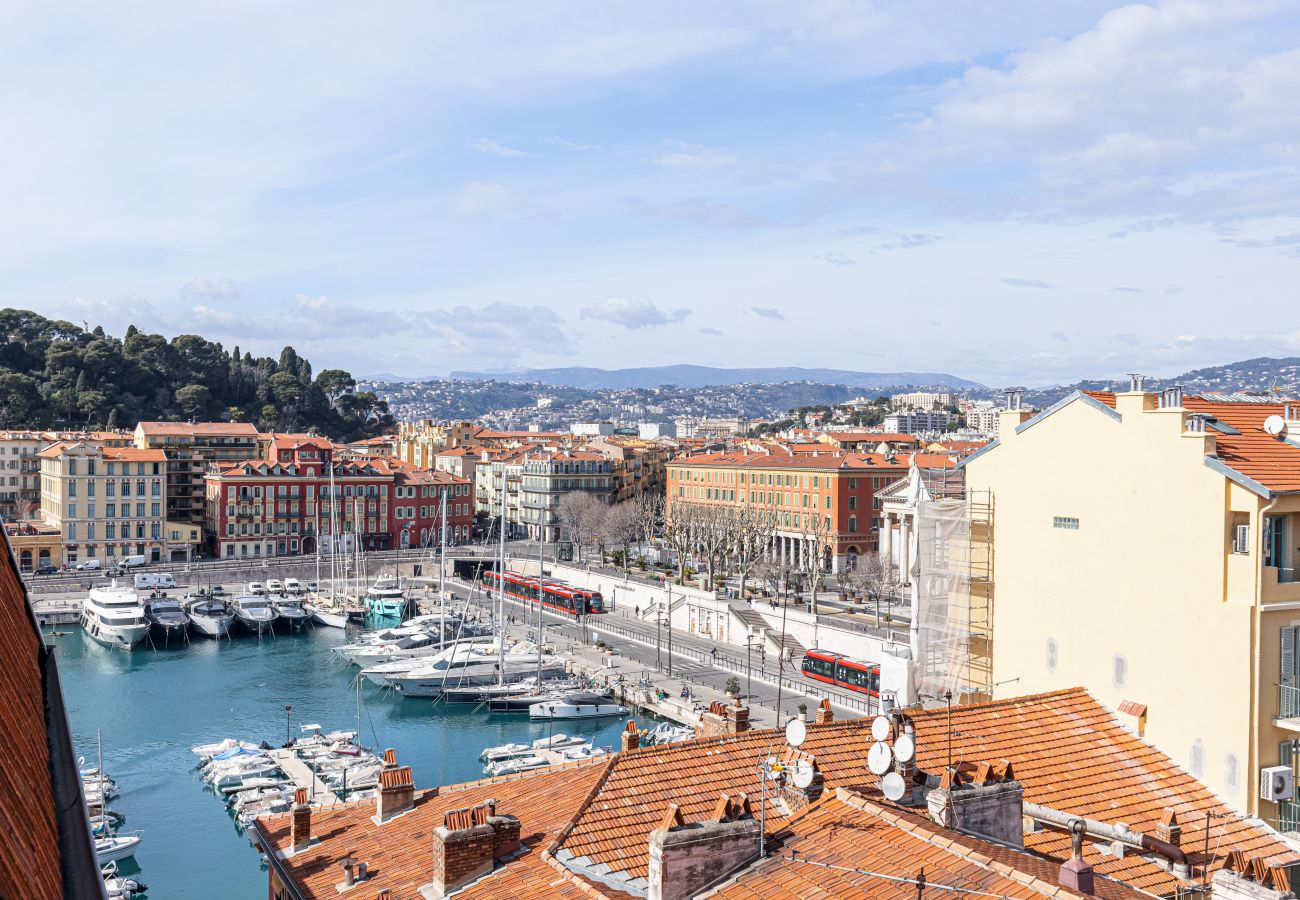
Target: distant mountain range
<point x="707" y="376"/>
<point x="1264" y="374"/>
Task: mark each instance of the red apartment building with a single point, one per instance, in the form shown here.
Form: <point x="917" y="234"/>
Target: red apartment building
<point x="305" y="490"/>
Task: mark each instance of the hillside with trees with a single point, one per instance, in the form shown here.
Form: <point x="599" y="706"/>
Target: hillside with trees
<point x="54" y="374"/>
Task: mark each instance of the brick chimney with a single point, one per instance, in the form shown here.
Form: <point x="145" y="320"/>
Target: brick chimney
<point x="467" y="846"/>
<point x="825" y="715"/>
<point x="1076" y="875"/>
<point x="686" y="859"/>
<point x="1169" y="830"/>
<point x="724" y="718"/>
<point x="631" y="737"/>
<point x="794" y="796"/>
<point x="980" y="799"/>
<point x="396" y="789"/>
<point x="300" y="823"/>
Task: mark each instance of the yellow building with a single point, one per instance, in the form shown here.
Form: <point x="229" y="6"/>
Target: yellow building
<point x="1144" y="547"/>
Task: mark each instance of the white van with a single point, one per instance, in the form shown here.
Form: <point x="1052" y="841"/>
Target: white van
<point x="88" y="564"/>
<point x="293" y="585"/>
<point x="130" y="562"/>
<point x="155" y="580"/>
<point x="256" y="587"/>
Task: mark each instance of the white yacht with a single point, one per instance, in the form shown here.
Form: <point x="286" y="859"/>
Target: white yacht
<point x="254" y="612"/>
<point x="114" y="616"/>
<point x="291" y="610"/>
<point x="210" y="616"/>
<point x="578" y="705"/>
<point x="466" y="666"/>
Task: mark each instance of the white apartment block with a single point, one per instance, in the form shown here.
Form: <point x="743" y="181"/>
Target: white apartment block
<point x="916" y="422"/>
<point x="924" y="401"/>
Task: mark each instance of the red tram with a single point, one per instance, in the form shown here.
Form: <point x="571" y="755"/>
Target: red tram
<point x="555" y="595"/>
<point x="847" y="672"/>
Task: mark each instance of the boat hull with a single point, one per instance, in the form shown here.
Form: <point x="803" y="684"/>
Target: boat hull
<point x="326" y="618"/>
<point x="255" y="625"/>
<point x="212" y="626"/>
<point x="118" y="636"/>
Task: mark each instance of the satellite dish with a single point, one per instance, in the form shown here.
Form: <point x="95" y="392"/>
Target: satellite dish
<point x="880" y="728"/>
<point x="1275" y="425"/>
<point x="879" y="758"/>
<point x="893" y="787"/>
<point x="905" y="748"/>
<point x="803" y="775"/>
<point x="796" y="732"/>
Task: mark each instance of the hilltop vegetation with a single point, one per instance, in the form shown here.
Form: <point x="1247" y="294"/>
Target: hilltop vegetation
<point x="54" y="374"/>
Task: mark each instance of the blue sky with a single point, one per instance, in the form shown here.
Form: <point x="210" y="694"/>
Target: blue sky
<point x="1009" y="191"/>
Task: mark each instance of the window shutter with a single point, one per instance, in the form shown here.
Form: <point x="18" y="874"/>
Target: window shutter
<point x="1288" y="656"/>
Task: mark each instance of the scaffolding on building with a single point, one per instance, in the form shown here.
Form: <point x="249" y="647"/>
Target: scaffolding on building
<point x="953" y="574"/>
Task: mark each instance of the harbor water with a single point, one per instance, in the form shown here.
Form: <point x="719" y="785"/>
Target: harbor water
<point x="152" y="706"/>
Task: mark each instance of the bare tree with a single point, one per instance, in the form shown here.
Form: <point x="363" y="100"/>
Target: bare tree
<point x="816" y="535"/>
<point x="751" y="535"/>
<point x="678" y="532"/>
<point x="580" y="513"/>
<point x="875" y="577"/>
<point x="711" y="529"/>
<point x="621" y="526"/>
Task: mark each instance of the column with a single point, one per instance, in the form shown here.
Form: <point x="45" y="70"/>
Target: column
<point x="886" y="538"/>
<point x="904" y="550"/>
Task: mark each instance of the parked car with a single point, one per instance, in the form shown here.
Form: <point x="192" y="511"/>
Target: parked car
<point x="256" y="587"/>
<point x="217" y="590"/>
<point x="273" y="586"/>
<point x="46" y="569"/>
<point x="293" y="586"/>
<point x="313" y="587"/>
<point x="88" y="564"/>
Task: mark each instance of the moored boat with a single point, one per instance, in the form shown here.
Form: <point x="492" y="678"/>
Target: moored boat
<point x="577" y="705"/>
<point x="254" y="612"/>
<point x="290" y="610"/>
<point x="210" y="616"/>
<point x="166" y="618"/>
<point x="114" y="616"/>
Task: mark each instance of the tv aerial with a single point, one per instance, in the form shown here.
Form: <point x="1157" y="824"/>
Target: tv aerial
<point x="772" y="769"/>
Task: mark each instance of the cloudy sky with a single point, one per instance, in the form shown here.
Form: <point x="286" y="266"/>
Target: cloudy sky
<point x="1010" y="191"/>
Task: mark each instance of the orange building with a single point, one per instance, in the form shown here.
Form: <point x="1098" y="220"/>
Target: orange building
<point x="829" y="493"/>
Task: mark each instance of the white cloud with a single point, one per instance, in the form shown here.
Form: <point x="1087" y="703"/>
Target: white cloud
<point x="216" y="289"/>
<point x="681" y="155"/>
<point x="768" y="312"/>
<point x="477" y="199"/>
<point x="633" y="313"/>
<point x="1026" y="283"/>
<point x="492" y="148"/>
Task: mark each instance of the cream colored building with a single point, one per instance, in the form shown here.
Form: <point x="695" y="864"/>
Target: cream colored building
<point x="108" y="502"/>
<point x="1144" y="547"/>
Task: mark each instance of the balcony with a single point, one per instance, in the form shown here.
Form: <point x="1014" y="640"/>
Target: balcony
<point x="1288" y="708"/>
<point x="1279" y="584"/>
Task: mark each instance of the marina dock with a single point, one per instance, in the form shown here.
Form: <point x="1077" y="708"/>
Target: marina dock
<point x="302" y="776"/>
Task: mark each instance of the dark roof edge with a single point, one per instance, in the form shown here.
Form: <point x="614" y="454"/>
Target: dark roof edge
<point x="1245" y="481"/>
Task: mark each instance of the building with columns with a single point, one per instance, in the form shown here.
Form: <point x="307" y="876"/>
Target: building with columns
<point x="830" y="493"/>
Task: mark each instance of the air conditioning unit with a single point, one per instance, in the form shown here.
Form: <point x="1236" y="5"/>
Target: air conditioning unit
<point x="1241" y="540"/>
<point x="1276" y="783"/>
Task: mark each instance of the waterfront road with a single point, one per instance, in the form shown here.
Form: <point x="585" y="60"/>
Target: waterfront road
<point x="693" y="661"/>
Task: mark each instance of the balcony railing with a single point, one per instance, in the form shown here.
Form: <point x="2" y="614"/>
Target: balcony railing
<point x="1288" y="701"/>
<point x="1288" y="576"/>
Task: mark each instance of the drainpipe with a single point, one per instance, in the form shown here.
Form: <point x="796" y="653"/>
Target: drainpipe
<point x="1116" y="832"/>
<point x="1256" y="663"/>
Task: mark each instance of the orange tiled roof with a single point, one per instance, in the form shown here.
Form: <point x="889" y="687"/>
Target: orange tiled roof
<point x="399" y="852"/>
<point x="850" y="832"/>
<point x="1068" y="751"/>
<point x="231" y="429"/>
<point x="134" y="454"/>
<point x="827" y="459"/>
<point x="1272" y="462"/>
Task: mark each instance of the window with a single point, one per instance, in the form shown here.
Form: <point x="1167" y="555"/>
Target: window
<point x="853" y="524"/>
<point x="1241" y="539"/>
<point x="853" y="502"/>
<point x="1068" y="523"/>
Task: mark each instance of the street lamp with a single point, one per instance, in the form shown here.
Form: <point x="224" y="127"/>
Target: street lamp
<point x="288" y="708"/>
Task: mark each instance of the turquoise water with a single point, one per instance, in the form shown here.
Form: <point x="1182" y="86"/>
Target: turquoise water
<point x="153" y="706"/>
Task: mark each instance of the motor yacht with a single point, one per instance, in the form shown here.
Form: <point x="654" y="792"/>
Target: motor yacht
<point x="115" y="847"/>
<point x="472" y="666"/>
<point x="209" y="615"/>
<point x="114" y="616"/>
<point x="577" y="705"/>
<point x="290" y="610"/>
<point x="386" y="598"/>
<point x="167" y="618"/>
<point x="254" y="612"/>
<point x="514" y="766"/>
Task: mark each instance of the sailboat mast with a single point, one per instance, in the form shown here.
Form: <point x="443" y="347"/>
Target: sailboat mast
<point x="501" y="586"/>
<point x="442" y="552"/>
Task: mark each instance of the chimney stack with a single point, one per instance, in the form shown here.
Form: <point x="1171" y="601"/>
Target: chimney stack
<point x="1135" y="382"/>
<point x="467" y="846"/>
<point x="1076" y="875"/>
<point x="723" y="718"/>
<point x="687" y="858"/>
<point x="825" y="715"/>
<point x="631" y="737"/>
<point x="396" y="789"/>
<point x="300" y="823"/>
<point x="981" y="799"/>
<point x="1169" y="830"/>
